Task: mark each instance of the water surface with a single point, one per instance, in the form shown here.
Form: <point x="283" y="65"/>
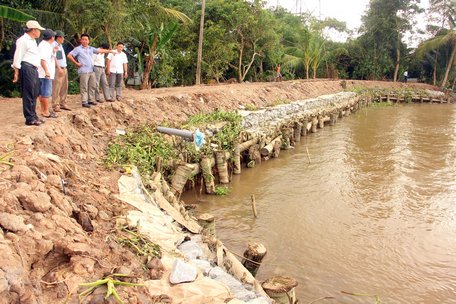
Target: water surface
<point x="374" y="212"/>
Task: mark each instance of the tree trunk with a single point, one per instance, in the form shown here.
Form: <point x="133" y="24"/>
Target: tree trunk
<point x="449" y="66"/>
<point x="241" y="54"/>
<point x="108" y="36"/>
<point x="149" y="63"/>
<point x="200" y="44"/>
<point x="434" y="72"/>
<point x="398" y="58"/>
<point x="2" y="33"/>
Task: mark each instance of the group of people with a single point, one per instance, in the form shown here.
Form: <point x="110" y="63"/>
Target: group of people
<point x="42" y="72"/>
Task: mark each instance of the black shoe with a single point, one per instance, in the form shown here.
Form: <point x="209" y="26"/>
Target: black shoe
<point x="93" y="103"/>
<point x="33" y="123"/>
<point x="86" y="105"/>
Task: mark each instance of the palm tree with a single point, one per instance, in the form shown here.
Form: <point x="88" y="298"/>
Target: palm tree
<point x="154" y="32"/>
<point x="444" y="38"/>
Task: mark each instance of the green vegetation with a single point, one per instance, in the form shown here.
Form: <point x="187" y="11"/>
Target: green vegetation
<point x="111" y="282"/>
<point x="132" y="239"/>
<point x="225" y="136"/>
<point x="243" y="40"/>
<point x="151" y="151"/>
<point x="222" y="190"/>
<point x="250" y="107"/>
<point x="142" y="148"/>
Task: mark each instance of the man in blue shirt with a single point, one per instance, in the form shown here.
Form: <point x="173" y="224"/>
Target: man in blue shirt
<point x="81" y="56"/>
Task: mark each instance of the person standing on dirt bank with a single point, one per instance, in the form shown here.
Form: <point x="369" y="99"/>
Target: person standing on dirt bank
<point x="405" y="76"/>
<point x="99" y="62"/>
<point x="87" y="83"/>
<point x="117" y="64"/>
<point x="46" y="71"/>
<point x="278" y="74"/>
<point x="60" y="83"/>
<point x="25" y="63"/>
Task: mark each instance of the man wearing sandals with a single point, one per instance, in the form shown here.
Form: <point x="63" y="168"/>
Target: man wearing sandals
<point x="46" y="71"/>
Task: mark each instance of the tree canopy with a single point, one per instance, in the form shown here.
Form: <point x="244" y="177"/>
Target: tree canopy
<point x="243" y="39"/>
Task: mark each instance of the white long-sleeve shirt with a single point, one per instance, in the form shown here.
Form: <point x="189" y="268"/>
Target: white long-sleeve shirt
<point x="26" y="50"/>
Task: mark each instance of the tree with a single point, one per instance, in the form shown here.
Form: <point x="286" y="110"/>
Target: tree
<point x="443" y="14"/>
<point x="153" y="33"/>
<point x="383" y="29"/>
<point x="218" y="52"/>
<point x="447" y="40"/>
<point x="248" y="26"/>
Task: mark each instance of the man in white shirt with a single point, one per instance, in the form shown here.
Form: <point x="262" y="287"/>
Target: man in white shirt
<point x="46" y="71"/>
<point x="25" y="63"/>
<point x="100" y="75"/>
<point x="117" y="64"/>
<point x="60" y="83"/>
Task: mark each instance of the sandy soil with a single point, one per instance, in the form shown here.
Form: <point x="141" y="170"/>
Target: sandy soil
<point x="55" y="237"/>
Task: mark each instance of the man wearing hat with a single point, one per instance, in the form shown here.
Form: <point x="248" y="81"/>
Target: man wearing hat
<point x="25" y="63"/>
<point x="60" y="83"/>
<point x="46" y="71"/>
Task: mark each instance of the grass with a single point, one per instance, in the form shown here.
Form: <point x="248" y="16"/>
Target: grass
<point x="250" y="107"/>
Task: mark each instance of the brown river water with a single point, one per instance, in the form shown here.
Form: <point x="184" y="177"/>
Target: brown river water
<point x="374" y="212"/>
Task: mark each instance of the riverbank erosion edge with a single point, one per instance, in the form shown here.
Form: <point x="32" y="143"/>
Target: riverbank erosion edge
<point x="61" y="209"/>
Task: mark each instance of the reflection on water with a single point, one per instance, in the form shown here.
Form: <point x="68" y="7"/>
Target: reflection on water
<point x="374" y="212"/>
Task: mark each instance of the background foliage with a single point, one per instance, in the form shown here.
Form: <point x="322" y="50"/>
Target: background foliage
<point x="242" y="40"/>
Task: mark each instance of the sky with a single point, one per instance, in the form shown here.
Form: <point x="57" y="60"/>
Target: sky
<point x="349" y="11"/>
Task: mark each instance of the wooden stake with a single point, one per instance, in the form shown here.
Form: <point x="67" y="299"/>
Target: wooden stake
<point x="255" y="214"/>
<point x="237" y="159"/>
<point x="253" y="256"/>
<point x="308" y="155"/>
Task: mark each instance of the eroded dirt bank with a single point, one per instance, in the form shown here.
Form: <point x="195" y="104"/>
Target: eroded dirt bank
<point x="56" y="236"/>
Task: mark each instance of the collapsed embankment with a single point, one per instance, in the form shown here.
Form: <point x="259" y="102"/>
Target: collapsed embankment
<point x="59" y="206"/>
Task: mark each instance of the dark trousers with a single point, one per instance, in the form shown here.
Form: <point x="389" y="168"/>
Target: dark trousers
<point x="30" y="87"/>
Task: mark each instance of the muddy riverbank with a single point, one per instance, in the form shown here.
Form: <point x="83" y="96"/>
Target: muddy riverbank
<point x="59" y="204"/>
